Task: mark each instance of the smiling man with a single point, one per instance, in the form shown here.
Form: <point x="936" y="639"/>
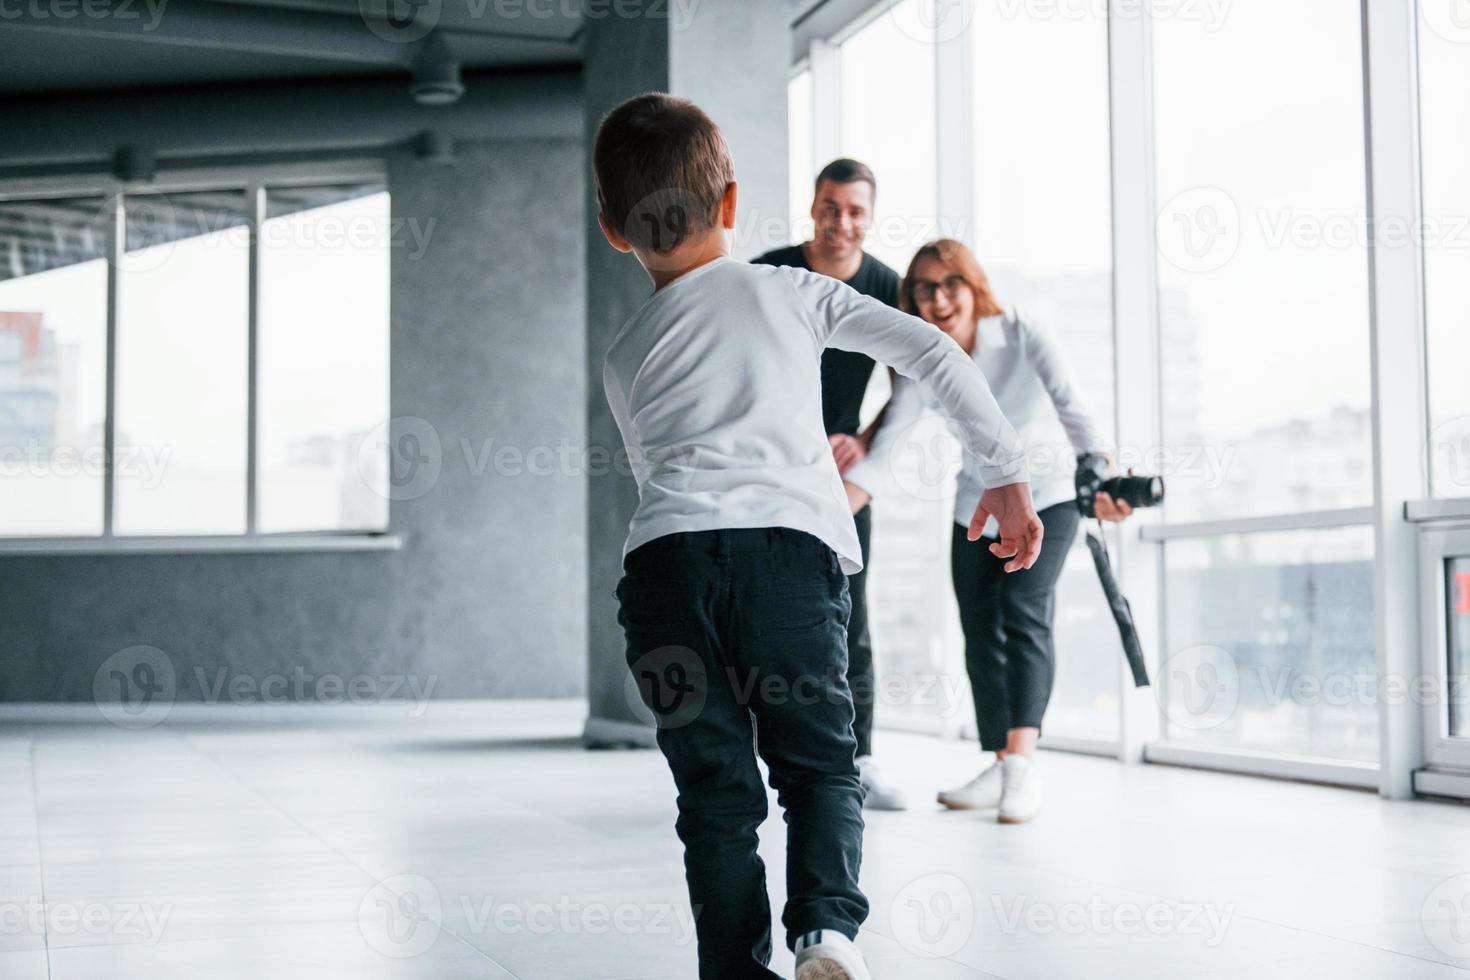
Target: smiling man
<point x="842" y="213"/>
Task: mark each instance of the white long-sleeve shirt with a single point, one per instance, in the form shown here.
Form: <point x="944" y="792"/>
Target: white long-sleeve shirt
<point x="1031" y="381"/>
<point x="715" y="383"/>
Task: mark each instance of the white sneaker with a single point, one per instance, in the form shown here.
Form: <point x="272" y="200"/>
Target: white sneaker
<point x="878" y="795"/>
<point x="979" y="793"/>
<point x="1020" y="794"/>
<point x="829" y="955"/>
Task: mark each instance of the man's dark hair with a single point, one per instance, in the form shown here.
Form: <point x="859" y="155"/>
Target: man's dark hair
<point x="661" y="169"/>
<point x="845" y="171"/>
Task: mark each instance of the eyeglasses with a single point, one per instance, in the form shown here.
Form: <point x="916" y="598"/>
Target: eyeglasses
<point x="924" y="289"/>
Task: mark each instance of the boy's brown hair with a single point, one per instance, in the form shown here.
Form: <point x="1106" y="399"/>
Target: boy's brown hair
<point x="661" y="167"/>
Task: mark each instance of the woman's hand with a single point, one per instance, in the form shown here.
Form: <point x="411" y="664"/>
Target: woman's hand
<point x="846" y="450"/>
<point x="1108" y="509"/>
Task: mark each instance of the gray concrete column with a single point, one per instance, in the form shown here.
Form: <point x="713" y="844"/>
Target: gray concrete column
<point x="731" y="57"/>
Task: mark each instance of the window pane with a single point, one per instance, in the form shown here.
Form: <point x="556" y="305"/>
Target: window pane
<point x="800" y="172"/>
<point x="887" y="70"/>
<point x="323" y="337"/>
<point x="1458" y="592"/>
<point x="1262" y="259"/>
<point x="53" y="349"/>
<point x="1043" y="231"/>
<point x="1444" y="94"/>
<point x="888" y="123"/>
<point x="181" y="365"/>
<point x="1270" y="643"/>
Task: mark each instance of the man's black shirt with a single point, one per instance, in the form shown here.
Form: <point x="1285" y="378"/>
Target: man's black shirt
<point x="845" y="374"/>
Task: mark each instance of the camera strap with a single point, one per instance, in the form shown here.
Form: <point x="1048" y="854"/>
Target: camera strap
<point x="1118" y="603"/>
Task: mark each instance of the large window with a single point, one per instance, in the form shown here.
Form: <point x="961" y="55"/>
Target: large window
<point x="1270" y="643"/>
<point x="1444" y="95"/>
<point x="1263" y="266"/>
<point x="888" y="103"/>
<point x="53" y="352"/>
<point x="1043" y="231"/>
<point x="801" y="171"/>
<point x="1263" y="277"/>
<point x="179" y="264"/>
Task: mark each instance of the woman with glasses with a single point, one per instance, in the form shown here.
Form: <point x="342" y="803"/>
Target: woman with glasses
<point x="1006" y="619"/>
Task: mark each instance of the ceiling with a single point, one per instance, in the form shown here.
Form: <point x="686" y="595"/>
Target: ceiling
<point x="168" y="43"/>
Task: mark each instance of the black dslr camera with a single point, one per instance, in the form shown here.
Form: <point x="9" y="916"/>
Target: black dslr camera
<point x="1092" y="479"/>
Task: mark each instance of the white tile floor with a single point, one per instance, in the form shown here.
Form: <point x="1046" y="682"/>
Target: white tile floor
<point x="500" y="848"/>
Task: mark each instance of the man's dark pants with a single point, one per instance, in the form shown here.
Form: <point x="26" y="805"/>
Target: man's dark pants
<point x="734" y="634"/>
<point x="860" y="676"/>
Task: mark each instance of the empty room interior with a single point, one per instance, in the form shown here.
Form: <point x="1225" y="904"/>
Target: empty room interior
<point x="833" y="489"/>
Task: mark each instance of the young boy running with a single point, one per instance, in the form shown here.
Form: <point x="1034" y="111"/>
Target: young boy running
<point x="734" y="599"/>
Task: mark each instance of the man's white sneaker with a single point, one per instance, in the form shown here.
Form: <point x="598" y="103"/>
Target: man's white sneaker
<point x="1020" y="795"/>
<point x="829" y="955"/>
<point x="877" y="794"/>
<point x="981" y="792"/>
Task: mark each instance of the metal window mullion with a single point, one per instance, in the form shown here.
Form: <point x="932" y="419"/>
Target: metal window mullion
<point x="955" y="131"/>
<point x="1136" y="345"/>
<point x="826" y="65"/>
<point x="255" y="215"/>
<point x="1398" y="366"/>
<point x="116" y="245"/>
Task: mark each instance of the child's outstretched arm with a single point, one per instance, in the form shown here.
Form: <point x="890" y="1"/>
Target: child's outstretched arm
<point x="843" y="318"/>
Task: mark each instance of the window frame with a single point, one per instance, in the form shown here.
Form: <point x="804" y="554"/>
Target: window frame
<point x="253" y="181"/>
<point x="1406" y="622"/>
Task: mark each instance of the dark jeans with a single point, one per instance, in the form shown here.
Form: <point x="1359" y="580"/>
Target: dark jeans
<point x="860" y="677"/>
<point x="1007" y="622"/>
<point x="735" y="634"/>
